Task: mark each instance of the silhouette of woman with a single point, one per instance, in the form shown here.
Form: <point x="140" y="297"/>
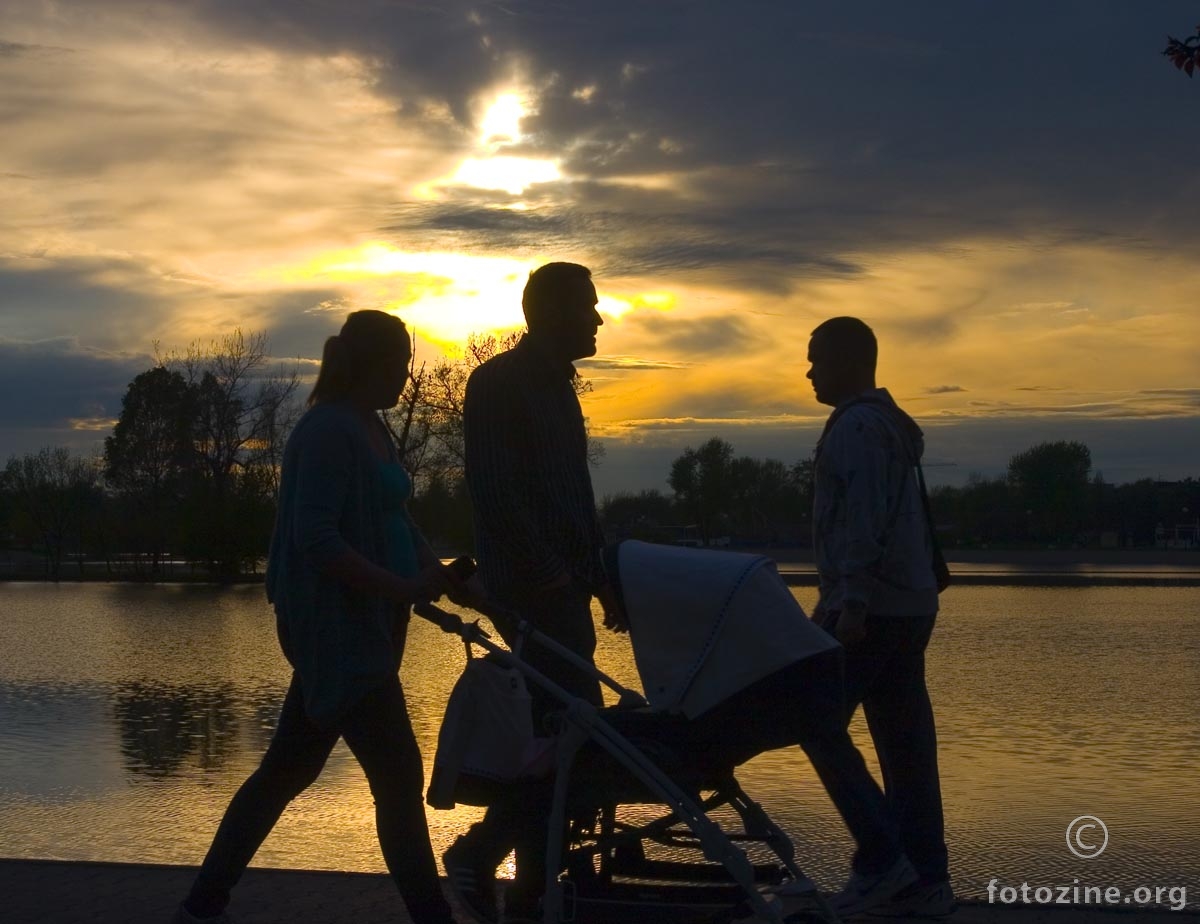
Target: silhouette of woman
<point x="345" y="564"/>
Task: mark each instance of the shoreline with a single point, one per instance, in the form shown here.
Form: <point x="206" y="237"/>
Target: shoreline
<point x="1048" y="558"/>
<point x="995" y="567"/>
<point x="90" y="892"/>
<point x="1039" y="567"/>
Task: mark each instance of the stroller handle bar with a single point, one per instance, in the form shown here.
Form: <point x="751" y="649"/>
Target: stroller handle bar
<point x="471" y="632"/>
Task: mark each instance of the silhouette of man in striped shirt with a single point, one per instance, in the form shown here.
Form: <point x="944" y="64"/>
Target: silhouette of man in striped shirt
<point x="538" y="538"/>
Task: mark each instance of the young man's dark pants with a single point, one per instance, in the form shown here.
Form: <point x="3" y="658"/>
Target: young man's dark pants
<point x="886" y="674"/>
<point x="379" y="734"/>
<point x="565" y="615"/>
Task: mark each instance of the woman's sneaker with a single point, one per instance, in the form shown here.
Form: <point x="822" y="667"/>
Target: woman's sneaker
<point x="866" y="891"/>
<point x="920" y="900"/>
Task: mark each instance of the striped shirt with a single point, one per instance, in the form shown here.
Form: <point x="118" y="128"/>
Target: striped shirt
<point x="527" y="471"/>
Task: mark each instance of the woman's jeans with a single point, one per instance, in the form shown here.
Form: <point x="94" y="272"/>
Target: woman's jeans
<point x="379" y="734"/>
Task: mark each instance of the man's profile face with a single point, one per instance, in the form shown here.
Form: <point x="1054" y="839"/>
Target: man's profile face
<point x="829" y="373"/>
<point x="573" y="322"/>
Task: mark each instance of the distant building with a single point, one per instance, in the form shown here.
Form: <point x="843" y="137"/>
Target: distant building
<point x="1179" y="536"/>
<point x="689" y="536"/>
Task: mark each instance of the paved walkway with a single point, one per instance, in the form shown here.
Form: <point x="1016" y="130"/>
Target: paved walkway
<point x="54" y="892"/>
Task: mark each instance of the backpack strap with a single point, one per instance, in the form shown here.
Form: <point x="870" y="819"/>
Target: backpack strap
<point x="941" y="572"/>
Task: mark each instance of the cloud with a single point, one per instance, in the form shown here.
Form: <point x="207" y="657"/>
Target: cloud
<point x="60" y="384"/>
<point x="1124" y="406"/>
<point x="168" y="165"/>
<point x="56" y="297"/>
<point x="628" y="364"/>
<point x="693" y="337"/>
<point x="1183" y="394"/>
<point x="724" y="100"/>
<point x="689" y="425"/>
<point x="19" y="49"/>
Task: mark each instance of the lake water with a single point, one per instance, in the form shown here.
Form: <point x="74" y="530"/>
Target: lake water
<point x="130" y="714"/>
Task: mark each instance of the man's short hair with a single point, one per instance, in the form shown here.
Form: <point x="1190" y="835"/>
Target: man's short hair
<point x="546" y="287"/>
<point x="851" y="339"/>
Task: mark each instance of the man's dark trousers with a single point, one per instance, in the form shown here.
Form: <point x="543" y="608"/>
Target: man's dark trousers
<point x="886" y="674"/>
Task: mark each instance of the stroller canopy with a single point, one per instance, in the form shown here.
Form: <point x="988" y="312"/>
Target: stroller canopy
<point x="706" y="624"/>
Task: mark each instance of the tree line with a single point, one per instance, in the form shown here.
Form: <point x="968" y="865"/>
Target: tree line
<point x="190" y="474"/>
<point x="1048" y="497"/>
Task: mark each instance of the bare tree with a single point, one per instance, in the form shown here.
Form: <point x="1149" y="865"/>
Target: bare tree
<point x="244" y="407"/>
<point x="427" y="423"/>
<point x="53" y="490"/>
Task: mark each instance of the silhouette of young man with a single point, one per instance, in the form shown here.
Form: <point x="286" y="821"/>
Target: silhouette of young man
<point x="878" y="593"/>
<point x="538" y="538"/>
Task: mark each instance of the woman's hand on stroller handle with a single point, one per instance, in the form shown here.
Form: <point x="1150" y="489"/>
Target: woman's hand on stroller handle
<point x="433" y="582"/>
<point x="470" y="594"/>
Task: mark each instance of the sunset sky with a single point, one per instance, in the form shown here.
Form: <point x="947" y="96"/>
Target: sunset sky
<point x="1006" y="191"/>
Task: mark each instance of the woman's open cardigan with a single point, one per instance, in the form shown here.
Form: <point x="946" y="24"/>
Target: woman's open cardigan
<point x="342" y="642"/>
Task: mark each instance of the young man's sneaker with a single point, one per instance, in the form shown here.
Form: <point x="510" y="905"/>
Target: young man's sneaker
<point x="920" y="900"/>
<point x="471" y="881"/>
<point x="866" y="891"/>
<point x="183" y="916"/>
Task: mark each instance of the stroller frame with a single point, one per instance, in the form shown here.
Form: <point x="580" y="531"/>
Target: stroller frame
<point x="617" y="846"/>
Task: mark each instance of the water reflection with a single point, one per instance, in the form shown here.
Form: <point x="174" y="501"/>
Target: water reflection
<point x="44" y="732"/>
<point x="1052" y="703"/>
<point x="161" y="727"/>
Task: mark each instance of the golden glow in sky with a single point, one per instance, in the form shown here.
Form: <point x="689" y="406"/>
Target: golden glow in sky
<point x="502" y="121"/>
<point x="512" y="175"/>
<point x="444" y="297"/>
<point x="489" y="167"/>
<point x="161" y="184"/>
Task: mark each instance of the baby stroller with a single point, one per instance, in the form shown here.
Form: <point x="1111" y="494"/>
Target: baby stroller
<point x="718" y="640"/>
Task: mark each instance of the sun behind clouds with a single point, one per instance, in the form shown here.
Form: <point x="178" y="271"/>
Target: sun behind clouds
<point x="490" y="167"/>
<point x="444" y="297"/>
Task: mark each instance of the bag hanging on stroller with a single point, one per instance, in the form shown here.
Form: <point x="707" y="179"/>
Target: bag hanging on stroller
<point x="486" y="739"/>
